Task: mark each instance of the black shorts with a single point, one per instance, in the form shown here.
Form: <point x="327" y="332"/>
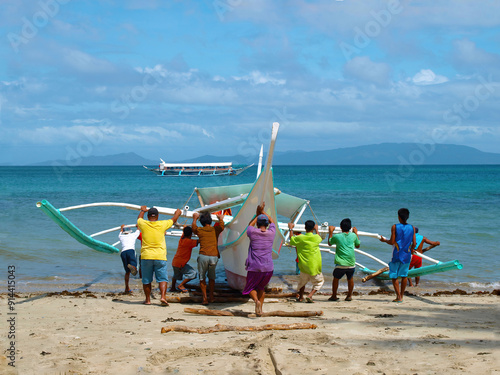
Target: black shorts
<point x="339" y="273"/>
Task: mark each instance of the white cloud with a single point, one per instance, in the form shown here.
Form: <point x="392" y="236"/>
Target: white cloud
<point x="459" y="134"/>
<point x="333" y="17"/>
<point x="363" y="68"/>
<point x="161" y="131"/>
<point x="65" y="134"/>
<point x="101" y="89"/>
<point x="258" y="78"/>
<point x="192" y="130"/>
<point x="11" y="83"/>
<point x="86" y="121"/>
<point x="467" y="55"/>
<point x="207" y="134"/>
<point x="323" y="129"/>
<point x="27" y="111"/>
<point x="143" y="4"/>
<point x="161" y="73"/>
<point x="88" y="130"/>
<point x="86" y="63"/>
<point x="428" y="77"/>
<point x="26" y="84"/>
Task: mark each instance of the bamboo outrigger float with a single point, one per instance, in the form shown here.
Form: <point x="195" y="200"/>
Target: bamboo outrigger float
<point x="233" y="242"/>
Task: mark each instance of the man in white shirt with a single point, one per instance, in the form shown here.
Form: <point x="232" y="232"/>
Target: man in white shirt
<point x="127" y="239"/>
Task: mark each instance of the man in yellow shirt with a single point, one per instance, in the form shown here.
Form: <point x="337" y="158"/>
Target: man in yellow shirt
<point x="154" y="251"/>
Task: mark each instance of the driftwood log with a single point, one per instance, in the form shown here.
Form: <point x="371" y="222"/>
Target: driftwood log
<point x="280" y="295"/>
<point x="220" y="299"/>
<point x="224" y="328"/>
<point x="195" y="299"/>
<point x="292" y="314"/>
<point x="223" y="288"/>
<point x="238" y="295"/>
<point x="375" y="274"/>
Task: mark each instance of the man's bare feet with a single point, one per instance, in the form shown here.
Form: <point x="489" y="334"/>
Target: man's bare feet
<point x="146" y="303"/>
<point x="133" y="269"/>
<point x="164" y="302"/>
<point x="205" y="302"/>
<point x="258" y="308"/>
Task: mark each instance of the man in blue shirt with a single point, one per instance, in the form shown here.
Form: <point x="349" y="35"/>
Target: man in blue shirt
<point x="403" y="242"/>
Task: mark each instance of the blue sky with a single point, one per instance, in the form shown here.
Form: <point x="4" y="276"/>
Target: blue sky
<point x="179" y="79"/>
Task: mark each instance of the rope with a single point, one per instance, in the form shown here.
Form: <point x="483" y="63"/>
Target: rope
<point x="185" y="204"/>
<point x="315" y="217"/>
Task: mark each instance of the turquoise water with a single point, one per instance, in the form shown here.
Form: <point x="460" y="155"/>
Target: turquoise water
<point x="456" y="205"/>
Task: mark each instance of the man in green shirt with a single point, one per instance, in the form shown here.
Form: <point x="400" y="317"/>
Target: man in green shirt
<point x="309" y="256"/>
<point x="345" y="258"/>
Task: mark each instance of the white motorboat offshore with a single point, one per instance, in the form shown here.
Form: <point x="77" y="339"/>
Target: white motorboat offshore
<point x="196" y="169"/>
<point x="233" y="241"/>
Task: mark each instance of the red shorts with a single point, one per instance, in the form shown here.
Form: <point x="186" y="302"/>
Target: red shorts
<point x="416" y="261"/>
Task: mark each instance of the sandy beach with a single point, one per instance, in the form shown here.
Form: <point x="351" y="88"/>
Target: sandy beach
<point x="109" y="333"/>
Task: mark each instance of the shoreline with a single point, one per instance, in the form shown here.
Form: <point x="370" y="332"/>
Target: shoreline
<point x="286" y="283"/>
<point x="76" y="291"/>
<point x="100" y="332"/>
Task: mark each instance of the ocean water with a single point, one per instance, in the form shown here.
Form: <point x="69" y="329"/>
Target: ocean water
<point x="456" y="205"/>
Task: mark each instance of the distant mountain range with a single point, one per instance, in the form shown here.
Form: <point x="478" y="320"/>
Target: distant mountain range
<point x="380" y="154"/>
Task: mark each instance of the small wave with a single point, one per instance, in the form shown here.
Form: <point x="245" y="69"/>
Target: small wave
<point x="483" y="235"/>
<point x="28" y="279"/>
<point x="494" y="285"/>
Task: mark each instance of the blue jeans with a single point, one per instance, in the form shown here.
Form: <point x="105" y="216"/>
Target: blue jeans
<point x="158" y="267"/>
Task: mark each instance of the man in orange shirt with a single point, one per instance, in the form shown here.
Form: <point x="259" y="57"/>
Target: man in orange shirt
<point x="181" y="258"/>
<point x="209" y="253"/>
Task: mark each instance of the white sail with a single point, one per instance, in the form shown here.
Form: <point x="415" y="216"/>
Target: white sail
<point x="233" y="241"/>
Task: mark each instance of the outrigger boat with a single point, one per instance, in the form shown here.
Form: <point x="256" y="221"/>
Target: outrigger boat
<point x="233" y="242"/>
<point x="196" y="169"/>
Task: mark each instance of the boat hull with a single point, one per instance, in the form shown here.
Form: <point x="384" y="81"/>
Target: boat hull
<point x="235" y="281"/>
<point x="197" y="173"/>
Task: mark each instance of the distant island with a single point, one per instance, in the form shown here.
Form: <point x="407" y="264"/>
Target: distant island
<point x="379" y="154"/>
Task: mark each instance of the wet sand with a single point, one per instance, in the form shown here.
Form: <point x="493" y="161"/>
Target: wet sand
<point x="89" y="332"/>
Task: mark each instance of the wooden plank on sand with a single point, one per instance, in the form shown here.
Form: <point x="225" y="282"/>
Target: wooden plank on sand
<point x="224" y="328"/>
<point x="292" y="314"/>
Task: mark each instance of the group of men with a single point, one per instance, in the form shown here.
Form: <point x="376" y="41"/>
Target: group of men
<point x="405" y="240"/>
<point x="153" y="255"/>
